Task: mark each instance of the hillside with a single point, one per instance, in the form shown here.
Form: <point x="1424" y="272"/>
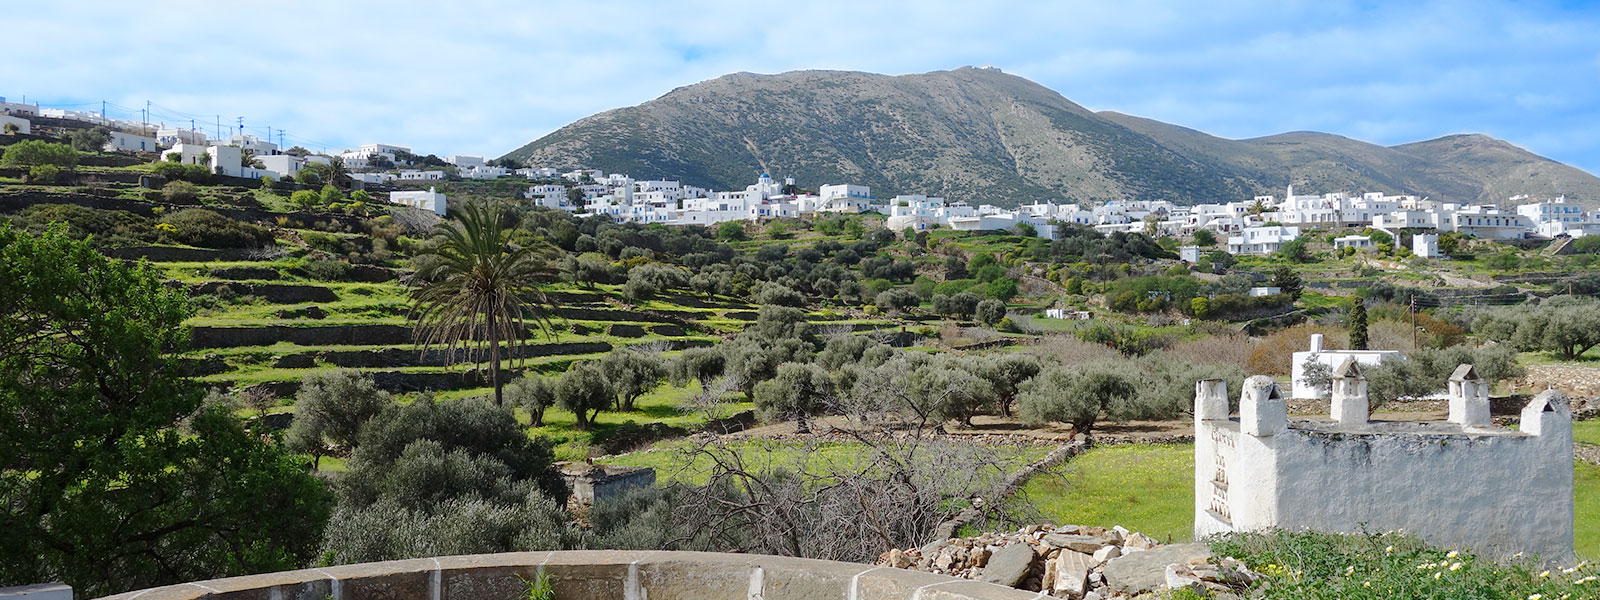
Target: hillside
<point x="982" y="135"/>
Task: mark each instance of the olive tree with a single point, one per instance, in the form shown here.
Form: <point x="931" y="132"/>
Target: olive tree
<point x="795" y="391"/>
<point x="1078" y="396"/>
<point x="330" y="409"/>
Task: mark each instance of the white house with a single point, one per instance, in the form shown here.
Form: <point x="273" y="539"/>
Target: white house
<point x="1359" y="242"/>
<point x="362" y="158"/>
<point x="379" y="178"/>
<point x="222" y="160"/>
<point x="416" y="175"/>
<point x="130" y="142"/>
<point x="465" y="161"/>
<point x="172" y="136"/>
<point x="255" y="145"/>
<point x="1487" y="222"/>
<point x="1265" y="290"/>
<point x="482" y="172"/>
<point x="1425" y="245"/>
<point x="16" y="109"/>
<point x="1189" y="254"/>
<point x="1456" y="483"/>
<point x="1262" y="240"/>
<point x="285" y="165"/>
<point x="23" y="125"/>
<point x="1300" y="383"/>
<point x="429" y="200"/>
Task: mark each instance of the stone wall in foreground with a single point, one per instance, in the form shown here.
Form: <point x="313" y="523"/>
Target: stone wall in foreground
<point x="590" y="575"/>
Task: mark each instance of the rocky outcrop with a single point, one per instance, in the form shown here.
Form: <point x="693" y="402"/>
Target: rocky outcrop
<point x="1091" y="563"/>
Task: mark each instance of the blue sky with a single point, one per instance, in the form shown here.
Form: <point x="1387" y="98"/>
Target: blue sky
<point x="486" y="77"/>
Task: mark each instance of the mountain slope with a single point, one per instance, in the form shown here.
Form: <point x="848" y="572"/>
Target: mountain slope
<point x="981" y="135"/>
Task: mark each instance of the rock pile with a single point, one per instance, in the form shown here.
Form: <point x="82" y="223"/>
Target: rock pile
<point x="1087" y="563"/>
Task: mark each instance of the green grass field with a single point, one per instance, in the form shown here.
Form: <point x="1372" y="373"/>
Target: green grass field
<point x="1586" y="520"/>
<point x="1144" y="488"/>
<point x="1587" y="432"/>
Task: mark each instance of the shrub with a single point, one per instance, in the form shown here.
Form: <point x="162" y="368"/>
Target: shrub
<point x="1272" y="354"/>
<point x="990" y="312"/>
<point x="778" y="294"/>
<point x="323" y="269"/>
<point x="898" y="299"/>
<point x="29" y="153"/>
<point x="109" y="227"/>
<point x="45" y="174"/>
<point x="200" y="227"/>
<point x="732" y="231"/>
<point x="1426" y="371"/>
<point x="180" y="191"/>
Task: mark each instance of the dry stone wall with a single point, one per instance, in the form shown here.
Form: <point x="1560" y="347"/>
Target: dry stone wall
<point x="1069" y="561"/>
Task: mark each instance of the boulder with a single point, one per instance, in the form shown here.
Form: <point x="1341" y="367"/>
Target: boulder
<point x="1010" y="565"/>
<point x="1139" y="541"/>
<point x="1107" y="553"/>
<point x="1179" y="577"/>
<point x="1079" y="543"/>
<point x="1072" y="573"/>
<point x="1142" y="572"/>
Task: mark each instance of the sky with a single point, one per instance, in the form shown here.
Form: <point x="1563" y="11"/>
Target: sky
<point x="483" y="78"/>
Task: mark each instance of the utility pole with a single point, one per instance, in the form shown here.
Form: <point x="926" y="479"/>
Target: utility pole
<point x="219" y="128"/>
<point x="103" y="112"/>
<point x="241" y="130"/>
<point x="1413" y="321"/>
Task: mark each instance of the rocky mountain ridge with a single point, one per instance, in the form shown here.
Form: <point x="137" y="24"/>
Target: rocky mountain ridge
<point x="981" y="135"/>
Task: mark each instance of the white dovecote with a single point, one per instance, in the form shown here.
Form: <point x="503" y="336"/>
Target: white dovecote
<point x="1349" y="405"/>
<point x="1469" y="398"/>
<point x="1262" y="411"/>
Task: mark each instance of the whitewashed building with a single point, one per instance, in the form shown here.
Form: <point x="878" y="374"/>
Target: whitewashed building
<point x="131" y="142"/>
<point x="1359" y="242"/>
<point x="1300" y="383"/>
<point x="172" y="136"/>
<point x="363" y="157"/>
<point x="1460" y="483"/>
<point x="429" y="200"/>
<point x="17" y="109"/>
<point x="23" y="125"/>
<point x="419" y="175"/>
<point x="1262" y="240"/>
<point x="1425" y="245"/>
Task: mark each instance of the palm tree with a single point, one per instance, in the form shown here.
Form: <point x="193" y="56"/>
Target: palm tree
<point x="474" y="288"/>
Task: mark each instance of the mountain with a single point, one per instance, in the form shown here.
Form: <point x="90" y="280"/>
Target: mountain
<point x="984" y="136"/>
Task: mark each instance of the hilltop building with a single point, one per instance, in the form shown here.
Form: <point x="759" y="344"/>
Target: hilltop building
<point x="429" y="200"/>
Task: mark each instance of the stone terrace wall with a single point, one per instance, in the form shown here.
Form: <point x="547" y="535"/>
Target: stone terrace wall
<point x="586" y="575"/>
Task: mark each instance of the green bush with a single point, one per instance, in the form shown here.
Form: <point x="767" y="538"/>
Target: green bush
<point x="207" y="229"/>
<point x="327" y="269"/>
<point x="180" y="191"/>
<point x="109" y="227"/>
<point x="45" y="174"/>
<point x="29" y="153"/>
<point x="181" y="172"/>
